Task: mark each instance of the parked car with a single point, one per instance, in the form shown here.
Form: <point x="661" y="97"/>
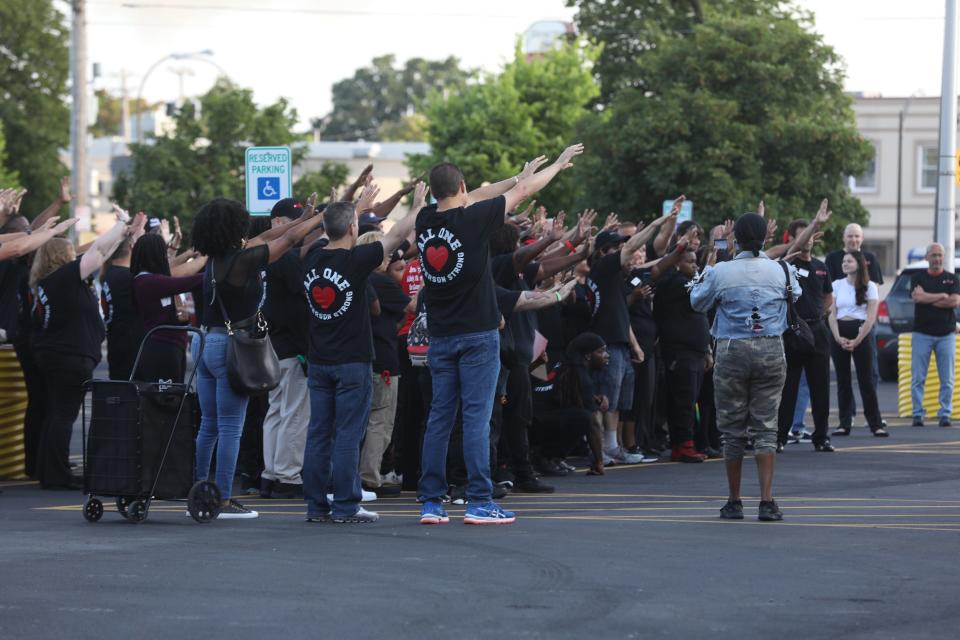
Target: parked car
<point x="895" y="316"/>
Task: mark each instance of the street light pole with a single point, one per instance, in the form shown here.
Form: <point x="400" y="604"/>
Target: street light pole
<point x="78" y="120"/>
<point x="946" y="189"/>
<point x="900" y="120"/>
<point x="170" y="56"/>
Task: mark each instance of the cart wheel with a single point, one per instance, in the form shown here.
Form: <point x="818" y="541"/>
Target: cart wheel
<point x="203" y="501"/>
<point x="122" y="506"/>
<point x="92" y="509"/>
<point x="137" y="511"/>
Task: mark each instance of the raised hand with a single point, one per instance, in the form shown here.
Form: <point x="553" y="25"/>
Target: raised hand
<point x="530" y="168"/>
<point x="333" y="195"/>
<point x="419" y="195"/>
<point x="63" y="226"/>
<point x="122" y="214"/>
<point x="677" y="205"/>
<point x="65" y="195"/>
<point x="761" y="210"/>
<point x="558" y="229"/>
<point x="771" y="231"/>
<point x="367" y="198"/>
<point x="611" y="222"/>
<point x="138" y="225"/>
<point x="823" y="214"/>
<point x="311" y="207"/>
<point x="526" y="212"/>
<point x="564" y="161"/>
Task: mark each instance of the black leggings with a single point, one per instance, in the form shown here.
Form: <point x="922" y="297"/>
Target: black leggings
<point x="863" y="357"/>
<point x="684" y="376"/>
<point x="817" y="368"/>
<point x="63" y="376"/>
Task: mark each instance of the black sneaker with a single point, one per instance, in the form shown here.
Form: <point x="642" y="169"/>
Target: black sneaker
<point x="500" y="491"/>
<point x="362" y="516"/>
<point x="319" y="517"/>
<point x="236" y="511"/>
<point x="917" y="421"/>
<point x="945" y="421"/>
<point x="458" y="494"/>
<point x="547" y="467"/>
<point x="733" y="510"/>
<point x="286" y="491"/>
<point x="824" y="447"/>
<point x="531" y="485"/>
<point x="769" y="512"/>
<point x="266" y="488"/>
<point x="779" y="447"/>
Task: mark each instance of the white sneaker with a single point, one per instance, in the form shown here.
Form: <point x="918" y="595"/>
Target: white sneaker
<point x="367" y="496"/>
<point x="393" y="478"/>
<point x="608" y="460"/>
<point x="619" y="456"/>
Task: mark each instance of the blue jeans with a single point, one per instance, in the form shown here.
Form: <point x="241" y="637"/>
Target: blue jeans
<point x="464" y="370"/>
<point x="340" y="397"/>
<point x="223" y="411"/>
<point x="803" y="400"/>
<point x="944" y="347"/>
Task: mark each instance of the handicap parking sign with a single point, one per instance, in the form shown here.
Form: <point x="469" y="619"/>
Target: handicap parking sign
<point x="268" y="177"/>
<point x="268" y="188"/>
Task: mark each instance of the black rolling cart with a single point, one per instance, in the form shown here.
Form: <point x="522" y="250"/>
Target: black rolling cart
<point x="140" y="445"/>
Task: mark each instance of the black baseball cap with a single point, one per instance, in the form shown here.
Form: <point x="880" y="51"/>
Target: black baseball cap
<point x="287" y="208"/>
<point x="607" y="238"/>
<point x="369" y="218"/>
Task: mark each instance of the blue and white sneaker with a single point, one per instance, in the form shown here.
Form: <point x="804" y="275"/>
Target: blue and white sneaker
<point x="489" y="513"/>
<point x="433" y="512"/>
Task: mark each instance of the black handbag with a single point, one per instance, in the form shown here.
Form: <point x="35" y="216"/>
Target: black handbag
<point x="798" y="340"/>
<point x="252" y="365"/>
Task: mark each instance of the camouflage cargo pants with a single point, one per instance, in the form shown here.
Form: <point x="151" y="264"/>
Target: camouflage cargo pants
<point x="748" y="384"/>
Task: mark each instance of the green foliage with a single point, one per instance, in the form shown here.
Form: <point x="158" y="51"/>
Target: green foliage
<point x="331" y="174"/>
<point x="203" y="158"/>
<point x="742" y="108"/>
<point x="110" y="113"/>
<point x="8" y="177"/>
<point x="381" y="94"/>
<point x="409" y="128"/>
<point x="33" y="90"/>
<point x="491" y="128"/>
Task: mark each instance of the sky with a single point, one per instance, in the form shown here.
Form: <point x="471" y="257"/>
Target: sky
<point x="298" y="48"/>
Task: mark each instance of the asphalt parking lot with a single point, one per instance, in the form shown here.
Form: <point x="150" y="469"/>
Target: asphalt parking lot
<point x="869" y="548"/>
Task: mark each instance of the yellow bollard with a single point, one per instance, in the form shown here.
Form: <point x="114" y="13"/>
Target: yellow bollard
<point x="931" y="388"/>
<point x="13" y="407"/>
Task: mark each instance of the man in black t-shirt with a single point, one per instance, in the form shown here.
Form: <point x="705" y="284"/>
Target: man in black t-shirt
<point x="936" y="295"/>
<point x="812" y="306"/>
<point x="340" y="353"/>
<point x="288" y="412"/>
<point x="453" y="237"/>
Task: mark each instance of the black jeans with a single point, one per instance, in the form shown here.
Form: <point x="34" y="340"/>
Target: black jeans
<point x="412" y="406"/>
<point x="554" y="433"/>
<point x="644" y="397"/>
<point x="36" y="406"/>
<point x="517" y="415"/>
<point x="817" y="368"/>
<point x="684" y="369"/>
<point x="863" y="357"/>
<point x="707" y="435"/>
<point x="63" y="377"/>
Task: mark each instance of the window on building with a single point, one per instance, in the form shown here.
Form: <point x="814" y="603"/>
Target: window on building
<point x="867" y="181"/>
<point x="929" y="157"/>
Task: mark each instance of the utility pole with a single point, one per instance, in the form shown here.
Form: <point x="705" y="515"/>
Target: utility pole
<point x="78" y="119"/>
<point x="124" y="107"/>
<point x="946" y="183"/>
<point x="180" y="72"/>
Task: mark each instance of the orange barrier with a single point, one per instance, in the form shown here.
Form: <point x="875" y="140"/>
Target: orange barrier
<point x="13" y="407"/>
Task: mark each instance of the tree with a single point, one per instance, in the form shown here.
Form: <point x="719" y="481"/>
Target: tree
<point x="203" y="159"/>
<point x="381" y="94"/>
<point x="491" y="128"/>
<point x="410" y="128"/>
<point x="630" y="28"/>
<point x="8" y="177"/>
<point x="33" y="91"/>
<point x="742" y="108"/>
<point x="331" y="175"/>
<point x="110" y="113"/>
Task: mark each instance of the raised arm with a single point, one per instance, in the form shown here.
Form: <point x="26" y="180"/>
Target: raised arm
<point x="30" y="243"/>
<point x="644" y="235"/>
<point x="384" y="208"/>
<point x="662" y="241"/>
<point x="399" y="232"/>
<point x="104" y="246"/>
<point x="527" y="185"/>
<point x="293" y="233"/>
<point x="361" y="181"/>
<point x="54" y="207"/>
<point x="823" y="215"/>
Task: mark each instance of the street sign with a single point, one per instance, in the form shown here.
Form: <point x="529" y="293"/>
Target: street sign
<point x="268" y="178"/>
<point x="686" y="210"/>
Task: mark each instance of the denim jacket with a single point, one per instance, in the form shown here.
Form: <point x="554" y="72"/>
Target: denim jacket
<point x="750" y="295"/>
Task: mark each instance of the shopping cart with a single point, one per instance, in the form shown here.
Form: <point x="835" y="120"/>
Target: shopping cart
<point x="140" y="445"/>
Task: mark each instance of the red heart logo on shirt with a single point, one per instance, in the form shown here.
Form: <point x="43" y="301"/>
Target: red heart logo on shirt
<point x="323" y="296"/>
<point x="437" y="257"/>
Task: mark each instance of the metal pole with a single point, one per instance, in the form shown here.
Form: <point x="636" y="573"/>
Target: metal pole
<point x="946" y="191"/>
<point x="78" y="121"/>
<point x="899" y="181"/>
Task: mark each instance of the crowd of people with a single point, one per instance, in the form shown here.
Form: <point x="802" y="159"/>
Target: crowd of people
<point x="470" y="347"/>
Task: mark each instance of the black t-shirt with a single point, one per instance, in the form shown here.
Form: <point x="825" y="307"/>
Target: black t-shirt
<point x="523" y="326"/>
<point x="678" y="325"/>
<point x="611" y="318"/>
<point x="239" y="285"/>
<point x="547" y="395"/>
<point x="455" y="250"/>
<point x="834" y="262"/>
<point x="815" y="283"/>
<point x="286" y="306"/>
<point x="576" y="313"/>
<point x="124" y="326"/>
<point x="393" y="301"/>
<point x="335" y="282"/>
<point x="11" y="273"/>
<point x="641" y="311"/>
<point x="66" y="314"/>
<point x="927" y="318"/>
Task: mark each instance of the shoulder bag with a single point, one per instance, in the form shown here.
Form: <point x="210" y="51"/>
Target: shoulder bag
<point x="798" y="340"/>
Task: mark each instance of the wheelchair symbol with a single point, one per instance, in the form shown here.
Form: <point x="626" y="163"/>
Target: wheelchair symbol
<point x="268" y="188"/>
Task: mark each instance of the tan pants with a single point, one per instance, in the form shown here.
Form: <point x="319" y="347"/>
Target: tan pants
<point x="285" y="425"/>
<point x="379" y="428"/>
